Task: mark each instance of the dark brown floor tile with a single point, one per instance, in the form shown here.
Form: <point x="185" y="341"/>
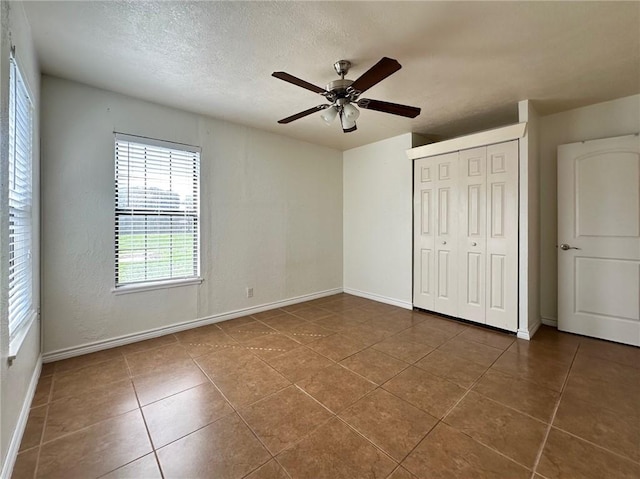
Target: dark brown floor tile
<point x="306" y="332"/>
<point x="163" y="382"/>
<point x="82" y="454"/>
<point x="512" y="433"/>
<point x="312" y="313"/>
<point x="144" y="468"/>
<point x="448" y="454"/>
<point x="486" y="336"/>
<point x="181" y="414"/>
<point x="204" y="340"/>
<point x="335" y="452"/>
<point x="47" y="370"/>
<point x="245" y="381"/>
<point x="403" y="349"/>
<point x="198" y="334"/>
<point x="75" y="382"/>
<point x="162" y="356"/>
<point x="224" y="449"/>
<point x="425" y="391"/>
<point x="43" y="391"/>
<point x="609" y="371"/>
<point x="85" y="360"/>
<point x="336" y="322"/>
<point x="424" y="334"/>
<point x="525" y="396"/>
<point x="270" y="345"/>
<point x="148" y="344"/>
<point x="613" y="431"/>
<point x="616" y="397"/>
<point x="541" y="351"/>
<point x="284" y="322"/>
<point x="32" y="435"/>
<point x="299" y="363"/>
<point x="338" y="347"/>
<point x="234" y="323"/>
<point x="25" y="466"/>
<point x="618" y="353"/>
<point x="284" y="418"/>
<point x="374" y="365"/>
<point x="539" y="370"/>
<point x="271" y="470"/>
<point x="551" y="337"/>
<point x="74" y="413"/>
<point x="365" y="333"/>
<point x="452" y="367"/>
<point x="401" y="473"/>
<point x="225" y="361"/>
<point x="450" y="326"/>
<point x="336" y="387"/>
<point x="567" y="456"/>
<point x="270" y="313"/>
<point x="392" y="424"/>
<point x="471" y="351"/>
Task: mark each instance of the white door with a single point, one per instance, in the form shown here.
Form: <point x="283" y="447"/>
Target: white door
<point x="502" y="236"/>
<point x="599" y="239"/>
<point x="423" y="233"/>
<point x="435" y="234"/>
<point x="446" y="234"/>
<point x="472" y="234"/>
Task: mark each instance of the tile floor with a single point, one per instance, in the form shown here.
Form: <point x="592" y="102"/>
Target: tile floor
<point x="339" y="387"/>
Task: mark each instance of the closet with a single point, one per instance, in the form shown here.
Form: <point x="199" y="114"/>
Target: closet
<point x="466" y="234"/>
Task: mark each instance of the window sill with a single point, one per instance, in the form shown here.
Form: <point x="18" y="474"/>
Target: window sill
<point x="172" y="283"/>
<point x="16" y="343"/>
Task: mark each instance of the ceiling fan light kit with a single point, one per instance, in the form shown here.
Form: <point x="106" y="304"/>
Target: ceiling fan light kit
<point x="344" y="94"/>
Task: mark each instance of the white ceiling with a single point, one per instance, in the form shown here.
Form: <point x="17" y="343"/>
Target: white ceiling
<point x="466" y="64"/>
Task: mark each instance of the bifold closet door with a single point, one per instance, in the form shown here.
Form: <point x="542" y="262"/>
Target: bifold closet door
<point x="435" y="241"/>
<point x="502" y="236"/>
<point x="472" y="234"/>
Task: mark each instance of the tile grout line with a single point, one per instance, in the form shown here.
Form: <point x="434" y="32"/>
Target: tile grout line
<point x="553" y="416"/>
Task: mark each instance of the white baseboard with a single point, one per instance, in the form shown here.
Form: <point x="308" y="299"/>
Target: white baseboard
<point x="16" y="438"/>
<point x="175" y="328"/>
<point x="549" y="322"/>
<point x="379" y="298"/>
<point x="528" y="333"/>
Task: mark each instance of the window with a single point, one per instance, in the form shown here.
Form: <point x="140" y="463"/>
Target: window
<point x="157" y="210"/>
<point x="21" y="307"/>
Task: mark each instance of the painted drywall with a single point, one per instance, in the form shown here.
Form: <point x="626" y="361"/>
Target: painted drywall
<point x="271" y="213"/>
<point x="15" y="379"/>
<point x="378" y="215"/>
<point x="609" y="119"/>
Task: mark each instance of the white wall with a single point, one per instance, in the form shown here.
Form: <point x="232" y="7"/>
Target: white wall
<point x="378" y="215"/>
<point x="271" y="216"/>
<point x="15" y="379"/>
<point x="613" y="118"/>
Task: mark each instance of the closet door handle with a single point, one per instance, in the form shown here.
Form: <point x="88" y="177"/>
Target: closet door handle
<point x="444" y="242"/>
<point x="474" y="244"/>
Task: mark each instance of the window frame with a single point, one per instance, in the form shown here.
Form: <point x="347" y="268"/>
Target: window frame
<point x="166" y="282"/>
<point x="24" y="277"/>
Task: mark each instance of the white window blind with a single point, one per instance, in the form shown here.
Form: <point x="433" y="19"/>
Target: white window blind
<point x="156" y="211"/>
<point x="20" y="199"/>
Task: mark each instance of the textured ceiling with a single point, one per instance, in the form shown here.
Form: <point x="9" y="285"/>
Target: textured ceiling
<point x="466" y="64"/>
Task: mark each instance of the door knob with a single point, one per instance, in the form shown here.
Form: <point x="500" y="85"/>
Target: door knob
<point x="474" y="244"/>
<point x="444" y="242"/>
<point x="565" y="247"/>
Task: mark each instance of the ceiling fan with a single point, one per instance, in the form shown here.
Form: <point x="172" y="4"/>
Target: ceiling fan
<point x="342" y="94"/>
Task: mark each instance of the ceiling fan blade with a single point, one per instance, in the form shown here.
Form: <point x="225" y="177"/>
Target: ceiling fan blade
<point x="375" y="74"/>
<point x="297" y="81"/>
<point x="302" y="114"/>
<point x="386" y="107"/>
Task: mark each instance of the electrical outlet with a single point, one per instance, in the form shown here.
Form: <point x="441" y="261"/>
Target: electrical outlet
<point x="249" y="292"/>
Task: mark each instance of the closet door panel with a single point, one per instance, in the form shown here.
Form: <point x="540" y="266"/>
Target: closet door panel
<point x="502" y="236"/>
<point x="423" y="233"/>
<point x="472" y="233"/>
<point x="446" y="234"/>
